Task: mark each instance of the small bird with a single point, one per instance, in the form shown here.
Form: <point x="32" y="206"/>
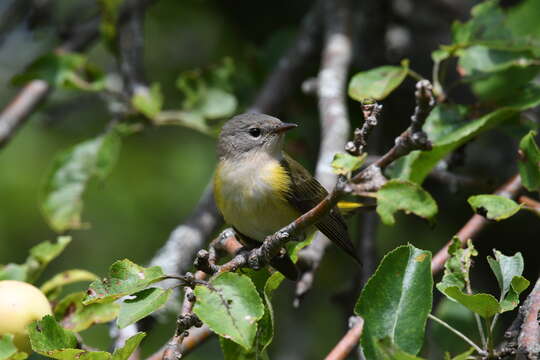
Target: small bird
<point x="259" y="189"/>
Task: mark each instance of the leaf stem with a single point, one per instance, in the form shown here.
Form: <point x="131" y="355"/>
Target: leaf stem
<point x="458" y="333"/>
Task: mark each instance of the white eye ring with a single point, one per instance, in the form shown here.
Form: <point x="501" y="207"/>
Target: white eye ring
<point x="255" y="132"/>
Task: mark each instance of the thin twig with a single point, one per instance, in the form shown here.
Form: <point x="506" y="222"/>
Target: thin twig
<point x="458" y="333"/>
<point x="348" y="342"/>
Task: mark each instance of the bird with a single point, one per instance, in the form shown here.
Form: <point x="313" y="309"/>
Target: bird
<point x="259" y="189"/>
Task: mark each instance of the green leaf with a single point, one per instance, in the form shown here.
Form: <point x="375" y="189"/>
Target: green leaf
<point x="529" y="162"/>
<point x="493" y="207"/>
<point x="505" y="269"/>
<point x="418" y="164"/>
<point x="149" y="103"/>
<point x="389" y="351"/>
<point x="377" y="83"/>
<point x="406" y="196"/>
<point x="231" y="307"/>
<point x="233" y="351"/>
<point x="48" y="337"/>
<point x="52" y="287"/>
<point x="479" y="61"/>
<point x="69" y="176"/>
<point x="8" y="351"/>
<point x="465" y="355"/>
<point x="109" y="17"/>
<point x="190" y="119"/>
<point x="125" y="278"/>
<point x="129" y="347"/>
<point x="511" y="300"/>
<point x="345" y="164"/>
<point x="73" y="315"/>
<point x="484" y="305"/>
<point x="144" y="303"/>
<point x="458" y="265"/>
<point x="396" y="301"/>
<point x="64" y="69"/>
<point x="40" y="256"/>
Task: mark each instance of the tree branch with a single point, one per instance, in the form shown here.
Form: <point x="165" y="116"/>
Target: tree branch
<point x="332" y="81"/>
<point x="35" y="92"/>
<point x="529" y="337"/>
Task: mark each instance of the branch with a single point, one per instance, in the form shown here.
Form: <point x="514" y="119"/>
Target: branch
<point x="289" y="70"/>
<point x="35" y="92"/>
<point x="529" y="338"/>
<point x="348" y="342"/>
<point x="476" y="223"/>
<point x="332" y="80"/>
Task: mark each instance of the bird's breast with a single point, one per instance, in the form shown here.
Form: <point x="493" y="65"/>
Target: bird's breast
<point x="251" y="195"/>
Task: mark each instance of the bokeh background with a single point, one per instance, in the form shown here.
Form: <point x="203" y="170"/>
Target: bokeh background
<point x="161" y="172"/>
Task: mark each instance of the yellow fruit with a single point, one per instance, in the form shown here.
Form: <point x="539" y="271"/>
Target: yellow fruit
<point x="20" y="304"/>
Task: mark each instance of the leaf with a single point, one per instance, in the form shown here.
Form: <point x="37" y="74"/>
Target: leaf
<point x="109" y="17"/>
<point x="505" y="269"/>
<point x="233" y="351"/>
<point x="396" y="301"/>
<point x="377" y="83"/>
<point x="345" y="164"/>
<point x="511" y="300"/>
<point x="52" y="287"/>
<point x="389" y="351"/>
<point x="529" y="162"/>
<point x="418" y="164"/>
<point x="8" y="349"/>
<point x="230" y="306"/>
<point x="406" y="196"/>
<point x="149" y="103"/>
<point x="125" y="278"/>
<point x="143" y="304"/>
<point x="73" y="315"/>
<point x="129" y="347"/>
<point x="38" y="259"/>
<point x="493" y="207"/>
<point x="189" y="119"/>
<point x="458" y="265"/>
<point x="217" y="104"/>
<point x="465" y="355"/>
<point x="69" y="176"/>
<point x="484" y="305"/>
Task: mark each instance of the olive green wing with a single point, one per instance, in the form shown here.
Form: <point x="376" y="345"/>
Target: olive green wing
<point x="306" y="192"/>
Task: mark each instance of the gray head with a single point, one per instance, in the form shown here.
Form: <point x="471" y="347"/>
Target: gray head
<point x="251" y="132"/>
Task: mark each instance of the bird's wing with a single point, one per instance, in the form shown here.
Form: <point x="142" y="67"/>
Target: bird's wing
<point x="306" y="192"/>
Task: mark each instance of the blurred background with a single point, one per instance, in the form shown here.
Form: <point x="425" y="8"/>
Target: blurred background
<point x="162" y="171"/>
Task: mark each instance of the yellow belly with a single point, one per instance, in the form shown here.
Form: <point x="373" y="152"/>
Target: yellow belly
<point x="251" y="196"/>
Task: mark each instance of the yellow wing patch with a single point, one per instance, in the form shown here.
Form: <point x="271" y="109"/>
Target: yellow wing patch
<point x="279" y="180"/>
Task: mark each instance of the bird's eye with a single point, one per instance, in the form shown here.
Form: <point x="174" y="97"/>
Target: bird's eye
<point x="255" y="132"/>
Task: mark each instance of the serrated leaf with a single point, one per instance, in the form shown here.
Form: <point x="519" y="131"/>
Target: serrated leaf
<point x="143" y="304"/>
<point x="345" y="164"/>
<point x="129" y="347"/>
<point x="458" y="265"/>
<point x="376" y="83"/>
<point x="405" y="196"/>
<point x="67" y="180"/>
<point x="396" y="301"/>
<point x="150" y="102"/>
<point x="484" y="305"/>
<point x="418" y="164"/>
<point x="38" y="259"/>
<point x="52" y="287"/>
<point x="389" y="351"/>
<point x="64" y="69"/>
<point x="73" y="315"/>
<point x="529" y="162"/>
<point x="125" y="278"/>
<point x="231" y="307"/>
<point x="493" y="207"/>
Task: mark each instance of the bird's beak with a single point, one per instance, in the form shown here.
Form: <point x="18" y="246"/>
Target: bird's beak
<point x="284" y="127"/>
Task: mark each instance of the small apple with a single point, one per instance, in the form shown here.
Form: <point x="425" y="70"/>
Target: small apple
<point x="20" y="304"/>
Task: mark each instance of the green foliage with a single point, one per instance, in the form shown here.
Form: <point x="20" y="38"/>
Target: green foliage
<point x="389" y="351"/>
<point x="406" y="196"/>
<point x="345" y="164"/>
<point x="529" y="162"/>
<point x="40" y="256"/>
<point x="231" y="307"/>
<point x="458" y="265"/>
<point x="508" y="271"/>
<point x="377" y="83"/>
<point x="494" y="207"/>
<point x="53" y="286"/>
<point x="69" y="176"/>
<point x="8" y="351"/>
<point x="396" y="301"/>
<point x="48" y="338"/>
<point x="484" y="305"/>
<point x="63" y="69"/>
<point x="149" y="103"/>
<point x="141" y="305"/>
<point x="75" y="316"/>
<point x="125" y="278"/>
<point x="109" y="17"/>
